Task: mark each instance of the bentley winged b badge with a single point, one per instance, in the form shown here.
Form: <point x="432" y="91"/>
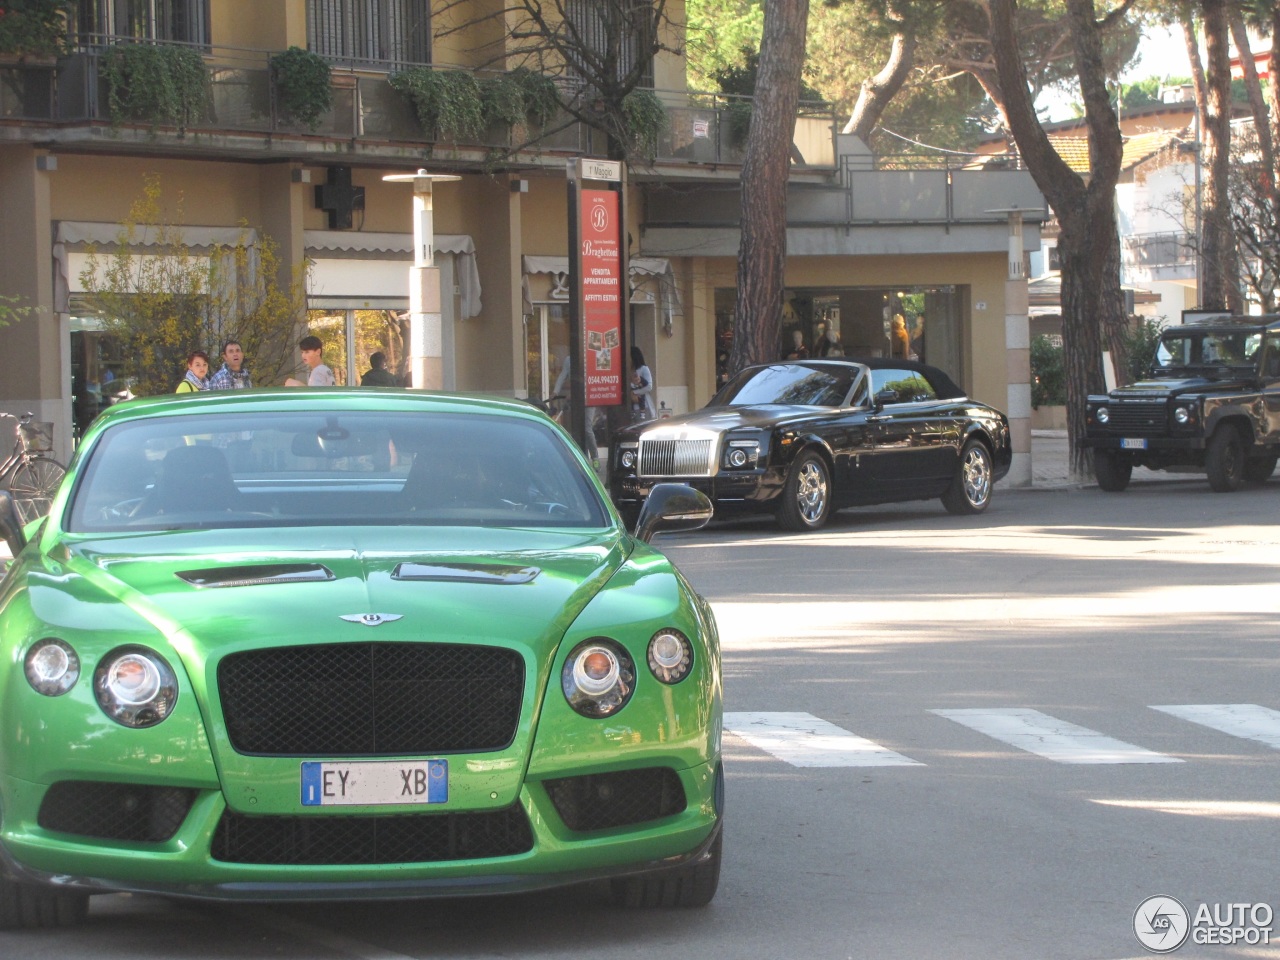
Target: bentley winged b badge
<point x="371" y="619"/>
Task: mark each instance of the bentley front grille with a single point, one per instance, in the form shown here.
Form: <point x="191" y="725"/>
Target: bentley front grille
<point x="602" y="800"/>
<point x="1137" y="417"/>
<point x="403" y="838"/>
<point x="676" y="458"/>
<point x="366" y="699"/>
<point x="115" y="811"/>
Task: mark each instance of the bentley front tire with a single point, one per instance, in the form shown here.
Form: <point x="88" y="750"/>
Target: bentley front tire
<point x="970" y="489"/>
<point x="691" y="886"/>
<point x="27" y="907"/>
<point x="1112" y="470"/>
<point x="1224" y="460"/>
<point x="806" y="496"/>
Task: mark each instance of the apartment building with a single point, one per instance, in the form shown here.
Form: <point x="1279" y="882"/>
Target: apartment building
<point x="943" y="246"/>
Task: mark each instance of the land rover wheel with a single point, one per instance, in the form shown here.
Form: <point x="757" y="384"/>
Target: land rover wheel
<point x="1224" y="460"/>
<point x="1112" y="470"/>
<point x="970" y="489"/>
<point x="806" y="496"/>
<point x="1259" y="469"/>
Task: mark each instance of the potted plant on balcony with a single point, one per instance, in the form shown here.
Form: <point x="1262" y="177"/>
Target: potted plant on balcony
<point x="161" y="85"/>
<point x="33" y="32"/>
<point x="646" y="121"/>
<point x="448" y="102"/>
<point x="303" y="84"/>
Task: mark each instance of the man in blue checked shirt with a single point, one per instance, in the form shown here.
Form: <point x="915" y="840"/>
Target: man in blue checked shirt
<point x="232" y="376"/>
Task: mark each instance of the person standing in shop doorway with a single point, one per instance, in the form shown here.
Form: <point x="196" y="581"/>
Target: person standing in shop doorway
<point x="641" y="388"/>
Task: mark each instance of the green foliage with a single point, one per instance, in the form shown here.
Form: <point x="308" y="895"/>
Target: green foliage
<point x="1141" y="340"/>
<point x="519" y="96"/>
<point x="720" y="33"/>
<point x="646" y="120"/>
<point x="11" y="310"/>
<point x="172" y="300"/>
<point x="448" y="102"/>
<point x="163" y="85"/>
<point x="34" y="28"/>
<point x="1048" y="372"/>
<point x="303" y="85"/>
<point x="737" y="121"/>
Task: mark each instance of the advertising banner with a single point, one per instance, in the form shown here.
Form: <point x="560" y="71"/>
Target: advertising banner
<point x="602" y="297"/>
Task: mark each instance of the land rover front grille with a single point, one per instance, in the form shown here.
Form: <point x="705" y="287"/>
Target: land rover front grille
<point x="401" y="838"/>
<point x="364" y="699"/>
<point x="1136" y="417"/>
<point x="676" y="458"/>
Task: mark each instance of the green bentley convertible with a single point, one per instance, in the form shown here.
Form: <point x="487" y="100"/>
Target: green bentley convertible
<point x="298" y="645"/>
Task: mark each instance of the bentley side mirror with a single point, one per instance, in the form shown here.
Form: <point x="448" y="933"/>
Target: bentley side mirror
<point x="671" y="508"/>
<point x="11" y="524"/>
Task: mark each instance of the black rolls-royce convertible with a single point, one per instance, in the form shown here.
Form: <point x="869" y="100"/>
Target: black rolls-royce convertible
<point x="800" y="439"/>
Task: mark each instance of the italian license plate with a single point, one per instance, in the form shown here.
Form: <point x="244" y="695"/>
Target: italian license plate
<point x="1129" y="443"/>
<point x="374" y="782"/>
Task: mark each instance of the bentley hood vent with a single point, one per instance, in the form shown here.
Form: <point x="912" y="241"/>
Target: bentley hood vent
<point x="252" y="575"/>
<point x="465" y="573"/>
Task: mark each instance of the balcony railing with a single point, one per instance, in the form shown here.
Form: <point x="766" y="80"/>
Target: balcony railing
<point x="702" y="128"/>
<point x="1151" y="250"/>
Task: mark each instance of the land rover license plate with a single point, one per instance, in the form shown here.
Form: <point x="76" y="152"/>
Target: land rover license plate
<point x="1129" y="443"/>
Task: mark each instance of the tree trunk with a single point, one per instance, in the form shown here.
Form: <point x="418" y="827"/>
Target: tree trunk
<point x="1219" y="283"/>
<point x="1089" y="241"/>
<point x="878" y="90"/>
<point x="765" y="171"/>
<point x="1252" y="86"/>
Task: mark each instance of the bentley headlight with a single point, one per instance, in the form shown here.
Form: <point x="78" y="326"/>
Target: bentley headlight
<point x="135" y="687"/>
<point x="670" y="656"/>
<point x="1182" y="415"/>
<point x="598" y="678"/>
<point x="1103" y="415"/>
<point x="52" y="667"/>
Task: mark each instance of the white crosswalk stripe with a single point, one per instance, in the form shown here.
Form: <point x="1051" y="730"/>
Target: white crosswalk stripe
<point x="1052" y="738"/>
<point x="803" y="740"/>
<point x="1246" y="720"/>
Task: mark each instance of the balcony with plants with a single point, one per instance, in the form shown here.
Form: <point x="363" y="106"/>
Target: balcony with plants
<point x="210" y="100"/>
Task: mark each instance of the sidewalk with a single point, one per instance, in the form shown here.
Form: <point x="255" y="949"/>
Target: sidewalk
<point x="1049" y="464"/>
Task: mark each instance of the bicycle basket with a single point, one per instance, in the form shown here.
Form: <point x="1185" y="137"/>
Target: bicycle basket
<point x="37" y="436"/>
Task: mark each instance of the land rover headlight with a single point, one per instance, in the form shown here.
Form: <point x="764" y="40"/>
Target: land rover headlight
<point x="1103" y="415"/>
<point x="135" y="686"/>
<point x="1182" y="415"/>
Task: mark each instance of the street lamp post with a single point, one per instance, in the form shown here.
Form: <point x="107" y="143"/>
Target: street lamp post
<point x="426" y="323"/>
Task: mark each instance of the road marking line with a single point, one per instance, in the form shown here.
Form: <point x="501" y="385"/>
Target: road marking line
<point x="1245" y="720"/>
<point x="1052" y="738"/>
<point x="803" y="740"/>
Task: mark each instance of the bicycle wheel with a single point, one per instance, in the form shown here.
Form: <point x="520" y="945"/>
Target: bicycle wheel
<point x="33" y="484"/>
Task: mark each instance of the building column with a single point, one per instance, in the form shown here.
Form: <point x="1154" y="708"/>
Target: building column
<point x="35" y="360"/>
<point x="1017" y="341"/>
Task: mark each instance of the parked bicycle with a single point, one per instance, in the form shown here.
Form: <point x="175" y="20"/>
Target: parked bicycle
<point x="30" y="473"/>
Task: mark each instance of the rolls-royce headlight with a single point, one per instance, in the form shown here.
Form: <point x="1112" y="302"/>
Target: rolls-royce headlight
<point x="670" y="656"/>
<point x="741" y="453"/>
<point x="135" y="686"/>
<point x="598" y="678"/>
<point x="1103" y="415"/>
<point x="52" y="667"/>
<point x="627" y="457"/>
<point x="1182" y="415"/>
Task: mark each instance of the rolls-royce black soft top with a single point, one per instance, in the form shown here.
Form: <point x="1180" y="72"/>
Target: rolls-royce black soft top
<point x="802" y="438"/>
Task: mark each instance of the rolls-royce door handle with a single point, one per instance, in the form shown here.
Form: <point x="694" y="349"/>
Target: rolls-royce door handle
<point x="883" y="418"/>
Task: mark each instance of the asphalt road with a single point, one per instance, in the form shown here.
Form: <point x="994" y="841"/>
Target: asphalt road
<point x="1088" y="609"/>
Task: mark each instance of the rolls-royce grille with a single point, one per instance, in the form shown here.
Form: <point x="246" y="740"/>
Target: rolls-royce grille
<point x="603" y="800"/>
<point x="115" y="811"/>
<point x="362" y="699"/>
<point x="1137" y="417"/>
<point x="408" y="838"/>
<point x="675" y="458"/>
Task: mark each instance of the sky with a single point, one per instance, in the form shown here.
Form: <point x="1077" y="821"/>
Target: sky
<point x="1162" y="53"/>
